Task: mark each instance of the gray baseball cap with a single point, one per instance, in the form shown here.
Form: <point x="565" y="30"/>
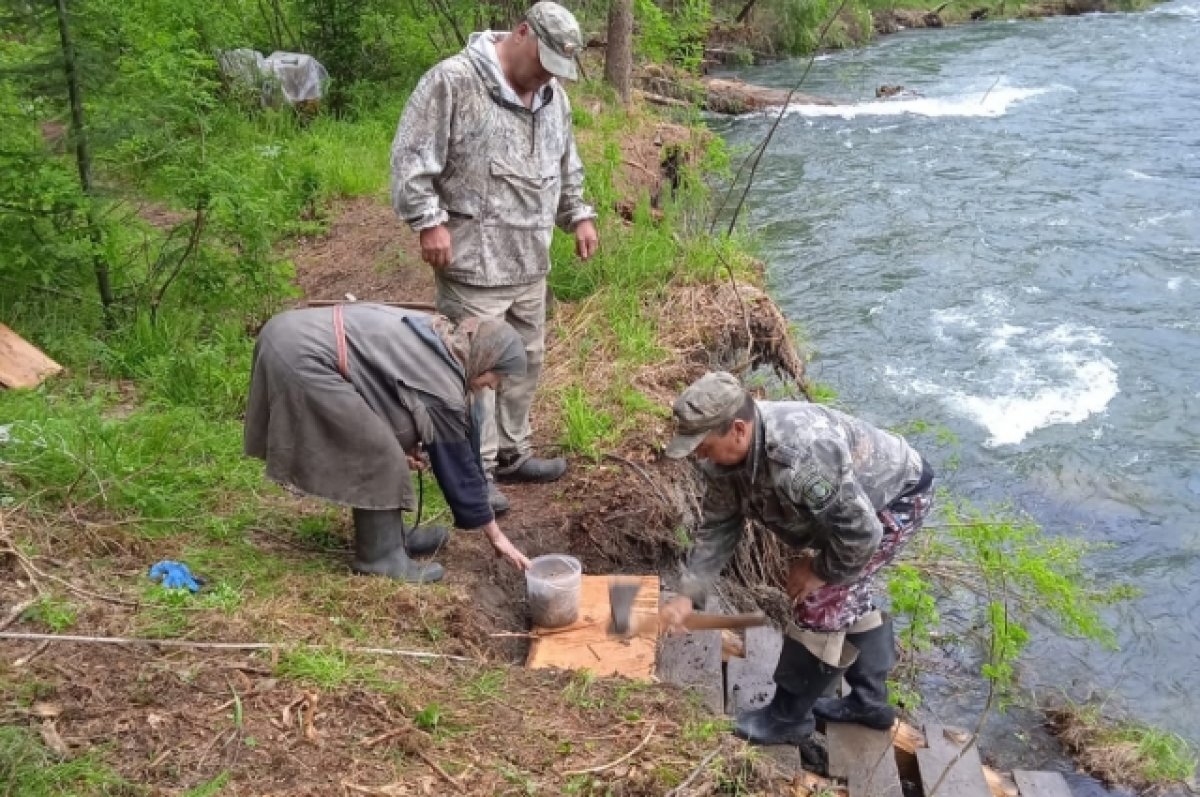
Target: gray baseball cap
<point x="707" y="403"/>
<point x="559" y="39"/>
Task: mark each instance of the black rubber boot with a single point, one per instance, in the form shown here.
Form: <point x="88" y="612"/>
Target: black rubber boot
<point x="496" y="499"/>
<point x="800" y="679"/>
<point x="512" y="468"/>
<point x="379" y="548"/>
<point x="425" y="540"/>
<point x="867" y="704"/>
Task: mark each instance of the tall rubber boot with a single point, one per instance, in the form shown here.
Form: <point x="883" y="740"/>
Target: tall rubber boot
<point x="379" y="548"/>
<point x="867" y="704"/>
<point x="800" y="679"/>
<point x="425" y="540"/>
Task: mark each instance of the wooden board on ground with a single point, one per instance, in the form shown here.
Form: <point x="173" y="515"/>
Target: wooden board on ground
<point x="865" y="758"/>
<point x="965" y="778"/>
<point x="694" y="661"/>
<point x="586" y="643"/>
<point x="21" y="363"/>
<point x="750" y="681"/>
<point x="1041" y="784"/>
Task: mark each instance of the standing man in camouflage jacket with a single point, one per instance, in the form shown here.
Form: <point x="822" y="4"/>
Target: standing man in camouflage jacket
<point x="844" y="496"/>
<point x="483" y="166"/>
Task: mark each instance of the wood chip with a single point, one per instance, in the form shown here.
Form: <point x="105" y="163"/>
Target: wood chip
<point x="53" y="740"/>
<point x="45" y="710"/>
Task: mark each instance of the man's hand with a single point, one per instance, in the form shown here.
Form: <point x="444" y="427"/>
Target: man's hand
<point x="504" y="547"/>
<point x="435" y="246"/>
<point x="586" y="239"/>
<point x="802" y="581"/>
<point x="673" y="613"/>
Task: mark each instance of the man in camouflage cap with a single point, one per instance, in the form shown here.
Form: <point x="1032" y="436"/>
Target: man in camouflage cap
<point x="484" y="166"/>
<point x="844" y="497"/>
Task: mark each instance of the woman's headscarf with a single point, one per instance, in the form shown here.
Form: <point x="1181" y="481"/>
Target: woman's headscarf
<point x="483" y="344"/>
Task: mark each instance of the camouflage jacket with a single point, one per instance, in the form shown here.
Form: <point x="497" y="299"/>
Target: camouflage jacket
<point x="814" y="476"/>
<point x="498" y="174"/>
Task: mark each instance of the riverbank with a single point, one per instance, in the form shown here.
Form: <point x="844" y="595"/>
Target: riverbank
<point x="135" y="457"/>
<point x="765" y="34"/>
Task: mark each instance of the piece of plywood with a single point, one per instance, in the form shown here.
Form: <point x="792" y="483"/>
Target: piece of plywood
<point x="586" y="644"/>
<point x="864" y="758"/>
<point x="750" y="681"/>
<point x="946" y="760"/>
<point x="21" y="363"/>
<point x="1041" y="784"/>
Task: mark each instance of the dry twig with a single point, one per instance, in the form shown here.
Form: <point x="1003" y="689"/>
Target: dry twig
<point x="617" y="762"/>
<point x="695" y="773"/>
<point x="188" y="643"/>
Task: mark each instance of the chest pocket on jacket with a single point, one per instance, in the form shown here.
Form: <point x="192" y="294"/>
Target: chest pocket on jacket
<point x="522" y="195"/>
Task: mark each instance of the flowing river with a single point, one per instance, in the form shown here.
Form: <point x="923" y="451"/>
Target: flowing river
<point x="1012" y="253"/>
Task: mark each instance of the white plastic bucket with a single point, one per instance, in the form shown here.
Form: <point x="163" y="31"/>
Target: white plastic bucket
<point x="552" y="584"/>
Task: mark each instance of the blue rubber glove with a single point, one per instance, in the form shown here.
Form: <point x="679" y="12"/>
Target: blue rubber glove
<point x="174" y="575"/>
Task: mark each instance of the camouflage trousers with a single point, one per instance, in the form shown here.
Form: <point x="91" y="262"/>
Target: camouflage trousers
<point x="837" y="607"/>
<point x="506" y="429"/>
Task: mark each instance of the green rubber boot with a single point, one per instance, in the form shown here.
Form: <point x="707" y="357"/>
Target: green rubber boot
<point x="379" y="548"/>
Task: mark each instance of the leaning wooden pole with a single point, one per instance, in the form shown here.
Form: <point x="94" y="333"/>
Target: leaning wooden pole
<point x="83" y="155"/>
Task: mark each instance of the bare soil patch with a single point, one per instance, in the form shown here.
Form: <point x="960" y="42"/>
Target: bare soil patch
<point x="367" y="252"/>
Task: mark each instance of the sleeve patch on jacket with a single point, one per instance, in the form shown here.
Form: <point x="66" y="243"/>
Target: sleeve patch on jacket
<point x="817" y="491"/>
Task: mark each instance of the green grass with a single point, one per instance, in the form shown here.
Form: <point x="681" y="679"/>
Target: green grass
<point x="210" y="788"/>
<point x="54" y="612"/>
<point x="326" y="668"/>
<point x="1163" y="757"/>
<point x="587" y="428"/>
<point x="1128" y="751"/>
<point x="29" y="769"/>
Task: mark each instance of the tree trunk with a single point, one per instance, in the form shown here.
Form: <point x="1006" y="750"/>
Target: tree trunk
<point x="83" y="157"/>
<point x="745" y="12"/>
<point x="618" y="59"/>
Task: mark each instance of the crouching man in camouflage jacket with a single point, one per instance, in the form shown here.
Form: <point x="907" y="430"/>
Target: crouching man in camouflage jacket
<point x="845" y="497"/>
<point x="484" y="166"/>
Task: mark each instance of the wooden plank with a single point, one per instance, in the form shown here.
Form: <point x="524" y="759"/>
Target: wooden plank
<point x="864" y="758"/>
<point x="965" y="778"/>
<point x="21" y="363"/>
<point x="1041" y="784"/>
<point x="587" y="645"/>
<point x="750" y="681"/>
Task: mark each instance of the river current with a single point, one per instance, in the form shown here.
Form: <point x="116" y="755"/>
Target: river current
<point x="1011" y="251"/>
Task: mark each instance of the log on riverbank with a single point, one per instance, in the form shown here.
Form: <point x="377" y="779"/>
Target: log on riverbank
<point x="719" y="95"/>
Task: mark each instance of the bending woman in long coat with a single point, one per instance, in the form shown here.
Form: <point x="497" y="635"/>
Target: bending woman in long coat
<point x="342" y="401"/>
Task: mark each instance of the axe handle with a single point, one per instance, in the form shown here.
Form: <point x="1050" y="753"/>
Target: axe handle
<point x="698" y="621"/>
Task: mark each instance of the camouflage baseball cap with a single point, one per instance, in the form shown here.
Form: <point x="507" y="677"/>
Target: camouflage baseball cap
<point x="559" y="39"/>
<point x="710" y="401"/>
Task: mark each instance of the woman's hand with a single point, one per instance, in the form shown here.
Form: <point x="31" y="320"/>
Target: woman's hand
<point x="802" y="581"/>
<point x="673" y="614"/>
<point x="504" y="546"/>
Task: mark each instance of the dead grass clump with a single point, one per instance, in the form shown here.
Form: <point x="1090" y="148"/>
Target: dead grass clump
<point x="1123" y="753"/>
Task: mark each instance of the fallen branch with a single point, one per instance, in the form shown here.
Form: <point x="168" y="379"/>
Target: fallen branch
<point x="24" y="660"/>
<point x="34" y="573"/>
<point x="438" y="769"/>
<point x="678" y="790"/>
<point x="618" y="762"/>
<point x="187" y="643"/>
<point x="15" y="613"/>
